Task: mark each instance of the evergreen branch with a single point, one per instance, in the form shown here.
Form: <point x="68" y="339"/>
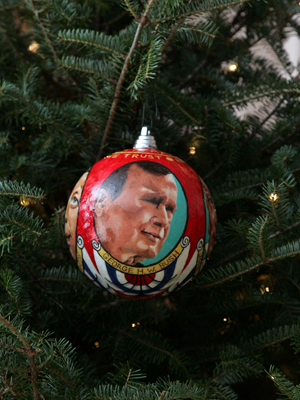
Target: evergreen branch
<point x="239" y="252"/>
<point x="66" y="16"/>
<point x="89" y="66"/>
<point x="28" y="351"/>
<point x="222" y="392"/>
<point x="272" y="337"/>
<point x="203" y="7"/>
<point x="148" y="65"/>
<point x="117" y="18"/>
<point x="142" y="23"/>
<point x="179" y="106"/>
<point x="63" y="280"/>
<point x="159" y="349"/>
<point x="284" y="230"/>
<point x="235" y="365"/>
<point x="9" y="347"/>
<point x="240" y="268"/>
<point x="134" y="83"/>
<point x="128" y="377"/>
<point x="285" y="386"/>
<point x="162" y="12"/>
<point x="22" y="221"/>
<point x="270" y="115"/>
<point x="5" y="242"/>
<point x="274" y="205"/>
<point x="67" y="10"/>
<point x="263" y="93"/>
<point x="214" y="170"/>
<point x="172" y="33"/>
<point x="131" y="10"/>
<point x="45" y="362"/>
<point x="48" y="39"/>
<point x="2" y="9"/>
<point x="92" y="38"/>
<point x="196" y="30"/>
<point x="18" y="189"/>
<point x="54" y="371"/>
<point x="229" y="257"/>
<point x="8" y="388"/>
<point x="260" y="239"/>
<point x="44" y="31"/>
<point x="62" y="274"/>
<point x="162" y="395"/>
<point x="27" y="371"/>
<point x="149" y="6"/>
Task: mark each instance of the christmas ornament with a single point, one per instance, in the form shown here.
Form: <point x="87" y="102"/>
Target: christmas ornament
<point x="140" y="223"/>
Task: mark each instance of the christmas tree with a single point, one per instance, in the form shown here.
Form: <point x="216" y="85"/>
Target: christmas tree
<point x="78" y="80"/>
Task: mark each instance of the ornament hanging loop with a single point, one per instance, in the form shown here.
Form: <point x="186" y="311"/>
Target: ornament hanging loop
<point x="145" y="140"/>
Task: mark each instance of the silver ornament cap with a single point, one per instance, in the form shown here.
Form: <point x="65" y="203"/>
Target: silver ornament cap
<point x="145" y="140"/>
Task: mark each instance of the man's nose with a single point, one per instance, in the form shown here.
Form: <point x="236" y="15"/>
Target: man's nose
<point x="161" y="217"/>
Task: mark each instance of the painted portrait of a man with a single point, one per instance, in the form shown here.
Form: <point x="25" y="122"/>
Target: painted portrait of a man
<point x="71" y="215"/>
<point x="134" y="210"/>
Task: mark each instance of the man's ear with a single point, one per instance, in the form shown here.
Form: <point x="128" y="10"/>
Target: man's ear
<point x="101" y="202"/>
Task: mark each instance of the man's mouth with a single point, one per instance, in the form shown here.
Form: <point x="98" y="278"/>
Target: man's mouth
<point x="152" y="236"/>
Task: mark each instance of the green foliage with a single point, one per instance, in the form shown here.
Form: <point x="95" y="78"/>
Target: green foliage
<point x="201" y="32"/>
<point x="102" y="42"/>
<point x="16" y="297"/>
<point x="22" y="224"/>
<point x="285" y="386"/>
<point x="78" y="79"/>
<point x="146" y="71"/>
<point x="235" y="366"/>
<point x="15" y="189"/>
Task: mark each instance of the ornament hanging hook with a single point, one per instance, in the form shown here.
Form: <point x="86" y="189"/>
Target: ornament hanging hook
<point x="146" y="107"/>
<point x="145" y="140"/>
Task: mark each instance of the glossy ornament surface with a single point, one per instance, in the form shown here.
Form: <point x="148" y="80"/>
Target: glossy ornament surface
<point x="140" y="223"/>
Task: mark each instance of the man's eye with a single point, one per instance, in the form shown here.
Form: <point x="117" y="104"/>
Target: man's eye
<point x="153" y="200"/>
<point x="74" y="202"/>
<point x="170" y="208"/>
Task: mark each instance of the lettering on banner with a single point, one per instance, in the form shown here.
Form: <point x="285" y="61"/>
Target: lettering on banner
<point x="146" y="270"/>
<point x="149" y="156"/>
<point x="151" y="270"/>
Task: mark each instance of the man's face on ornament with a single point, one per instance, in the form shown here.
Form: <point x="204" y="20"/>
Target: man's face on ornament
<point x="72" y="214"/>
<point x="133" y="211"/>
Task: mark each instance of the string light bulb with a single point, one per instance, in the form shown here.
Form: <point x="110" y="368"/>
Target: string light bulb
<point x="232" y="66"/>
<point x="192" y="150"/>
<point x="25" y="201"/>
<point x="23" y="128"/>
<point x="264" y="289"/>
<point x="273" y="196"/>
<point x="135" y="324"/>
<point x="33" y="47"/>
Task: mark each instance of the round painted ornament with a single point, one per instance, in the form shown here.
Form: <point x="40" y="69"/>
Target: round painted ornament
<point x="141" y="222"/>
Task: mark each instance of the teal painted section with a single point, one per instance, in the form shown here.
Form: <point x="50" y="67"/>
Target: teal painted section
<point x="177" y="227"/>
